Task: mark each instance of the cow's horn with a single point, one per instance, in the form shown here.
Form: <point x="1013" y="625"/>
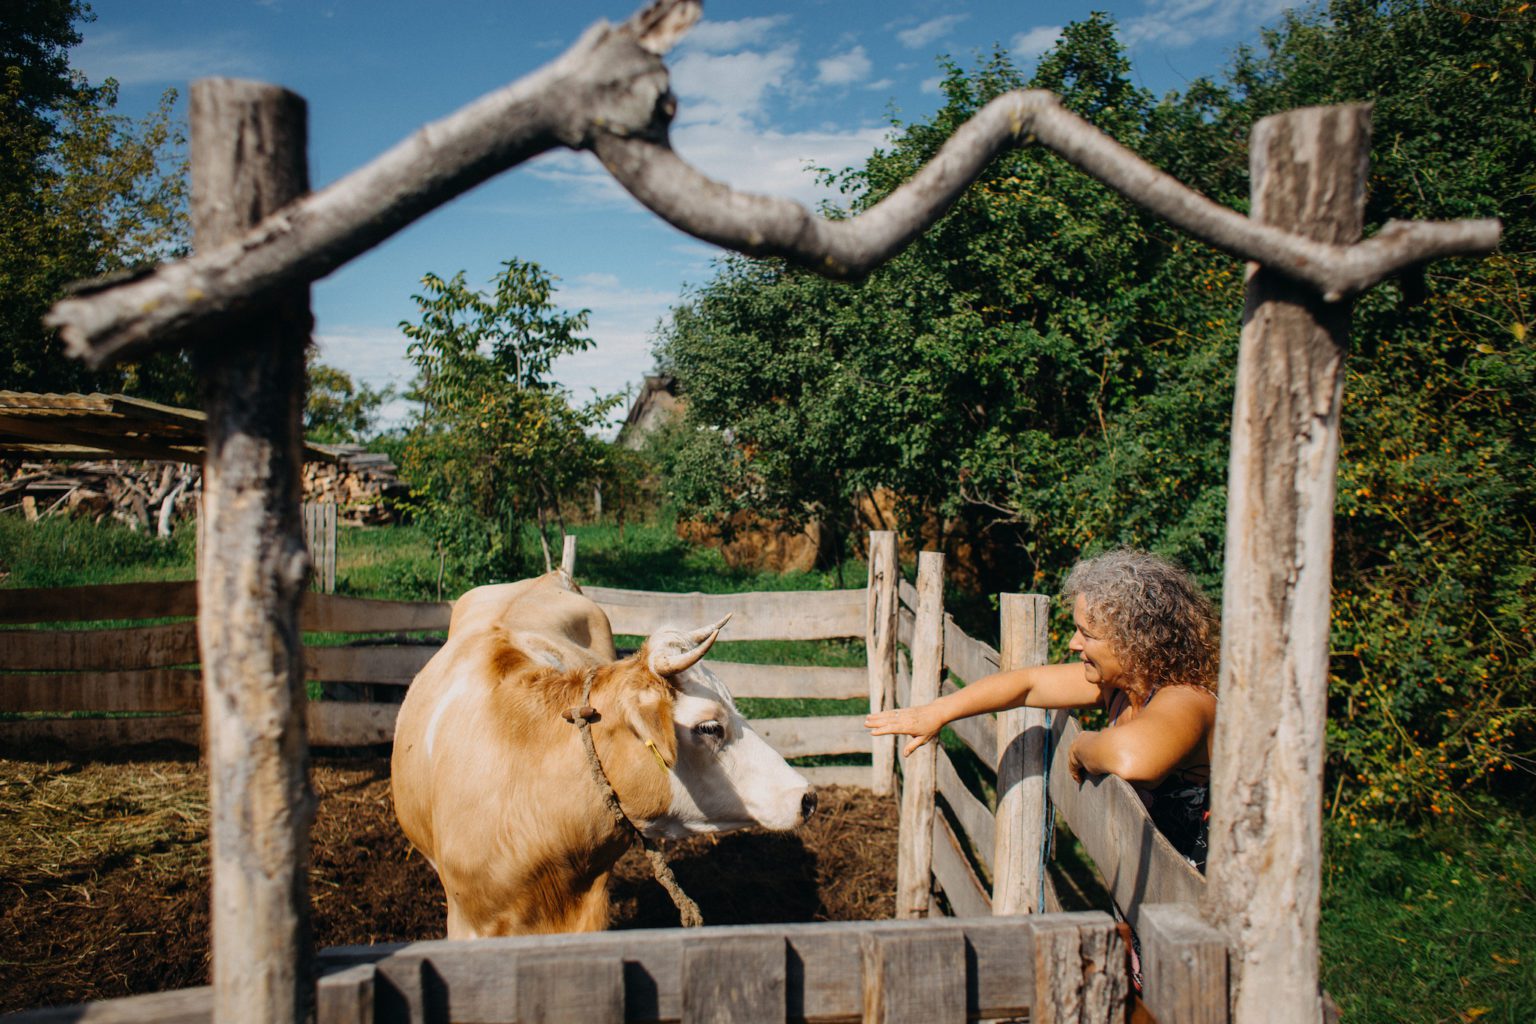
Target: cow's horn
<point x="666" y="665"/>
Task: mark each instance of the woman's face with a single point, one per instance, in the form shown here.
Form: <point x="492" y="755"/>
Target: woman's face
<point x="1100" y="661"/>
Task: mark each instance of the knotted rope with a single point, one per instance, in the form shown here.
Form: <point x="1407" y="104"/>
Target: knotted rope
<point x="582" y="717"/>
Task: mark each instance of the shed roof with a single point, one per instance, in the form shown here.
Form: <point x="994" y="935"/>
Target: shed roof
<point x="109" y="426"/>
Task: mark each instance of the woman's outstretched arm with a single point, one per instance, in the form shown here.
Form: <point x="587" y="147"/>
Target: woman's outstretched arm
<point x="1047" y="686"/>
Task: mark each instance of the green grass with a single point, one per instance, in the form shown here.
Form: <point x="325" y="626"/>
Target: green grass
<point x="1436" y="925"/>
<point x="62" y="552"/>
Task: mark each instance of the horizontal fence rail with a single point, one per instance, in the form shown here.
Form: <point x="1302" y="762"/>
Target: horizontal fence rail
<point x="150" y="670"/>
<point x="882" y="972"/>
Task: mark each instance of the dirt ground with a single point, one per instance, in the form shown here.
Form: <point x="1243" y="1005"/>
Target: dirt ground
<point x="104" y="873"/>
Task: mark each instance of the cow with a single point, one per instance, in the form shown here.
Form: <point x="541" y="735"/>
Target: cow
<point x="493" y="785"/>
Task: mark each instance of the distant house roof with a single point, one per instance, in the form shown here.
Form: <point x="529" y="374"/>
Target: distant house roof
<point x="657" y="402"/>
<point x="111" y="426"/>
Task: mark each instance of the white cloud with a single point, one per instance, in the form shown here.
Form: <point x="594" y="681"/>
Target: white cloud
<point x="374" y="356"/>
<point x="919" y="36"/>
<point x="721" y="36"/>
<point x="119" y="55"/>
<point x="1030" y="45"/>
<point x="773" y="162"/>
<point x="729" y="87"/>
<point x="844" y="68"/>
<point x="1175" y="23"/>
<point x="931" y="86"/>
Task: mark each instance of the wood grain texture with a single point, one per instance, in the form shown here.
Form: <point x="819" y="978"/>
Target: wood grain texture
<point x="880" y="639"/>
<point x="155" y="689"/>
<point x="169" y="599"/>
<point x="805" y="737"/>
<point x="738" y="979"/>
<point x="975" y="818"/>
<point x="334" y="613"/>
<point x="779" y="682"/>
<point x="87" y="735"/>
<point x="248" y="159"/>
<point x="915" y="977"/>
<point x="78" y="650"/>
<point x="559" y="990"/>
<point x="914" y="858"/>
<point x="346" y="997"/>
<point x="1309" y="170"/>
<point x="1020" y="732"/>
<point x="391" y="665"/>
<point x="965" y="891"/>
<point x="965" y="656"/>
<point x="1183" y="965"/>
<point x="771" y="615"/>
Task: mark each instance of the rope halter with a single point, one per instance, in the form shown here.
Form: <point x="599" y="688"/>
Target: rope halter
<point x="582" y="718"/>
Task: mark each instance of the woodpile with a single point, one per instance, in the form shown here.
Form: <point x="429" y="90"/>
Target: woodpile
<point x="156" y="496"/>
<point x="144" y="495"/>
<point x="362" y="485"/>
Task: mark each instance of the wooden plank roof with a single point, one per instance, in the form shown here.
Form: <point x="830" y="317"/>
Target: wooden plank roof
<point x="108" y="426"/>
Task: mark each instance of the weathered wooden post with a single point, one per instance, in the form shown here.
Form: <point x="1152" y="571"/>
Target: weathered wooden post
<point x="1308" y="175"/>
<point x="914" y="852"/>
<point x="248" y="159"/>
<point x="1025" y="642"/>
<point x="880" y="650"/>
<point x="568" y="556"/>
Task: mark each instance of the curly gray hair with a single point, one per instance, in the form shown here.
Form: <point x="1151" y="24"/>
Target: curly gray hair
<point x="1159" y="621"/>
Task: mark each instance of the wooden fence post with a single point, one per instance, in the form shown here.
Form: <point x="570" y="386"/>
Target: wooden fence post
<point x="914" y="857"/>
<point x="1308" y="170"/>
<point x="1016" y="864"/>
<point x="880" y="648"/>
<point x="248" y="159"/>
<point x="320" y="539"/>
<point x="568" y="556"/>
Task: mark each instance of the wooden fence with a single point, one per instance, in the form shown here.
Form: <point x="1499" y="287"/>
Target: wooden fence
<point x="971" y="834"/>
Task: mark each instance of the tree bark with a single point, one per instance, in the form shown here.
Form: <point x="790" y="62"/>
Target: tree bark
<point x="1021" y="796"/>
<point x="248" y="159"/>
<point x="1309" y="171"/>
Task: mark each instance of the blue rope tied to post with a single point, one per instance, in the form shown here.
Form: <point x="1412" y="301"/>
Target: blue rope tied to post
<point x="1048" y="824"/>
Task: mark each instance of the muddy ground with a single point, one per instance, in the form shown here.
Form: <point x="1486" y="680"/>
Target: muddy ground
<point x="104" y="873"/>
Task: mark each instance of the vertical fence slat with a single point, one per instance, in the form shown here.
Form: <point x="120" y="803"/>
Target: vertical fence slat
<point x="914" y="860"/>
<point x="880" y="645"/>
<point x="248" y="159"/>
<point x="1308" y="170"/>
<point x="1183" y="965"/>
<point x="1016" y="861"/>
<point x="915" y="977"/>
<point x="346" y="997"/>
<point x="568" y="556"/>
<point x="735" y="979"/>
<point x="558" y="990"/>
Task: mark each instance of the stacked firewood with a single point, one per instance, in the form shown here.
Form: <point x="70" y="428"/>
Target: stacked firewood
<point x="149" y="496"/>
<point x="362" y="485"/>
<point x="155" y="496"/>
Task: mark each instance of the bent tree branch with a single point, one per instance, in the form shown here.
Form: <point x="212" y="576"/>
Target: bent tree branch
<point x="609" y="94"/>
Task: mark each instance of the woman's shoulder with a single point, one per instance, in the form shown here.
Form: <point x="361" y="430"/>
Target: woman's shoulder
<point x="1184" y="698"/>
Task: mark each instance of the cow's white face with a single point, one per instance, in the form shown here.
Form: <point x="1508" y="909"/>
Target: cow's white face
<point x="726" y="776"/>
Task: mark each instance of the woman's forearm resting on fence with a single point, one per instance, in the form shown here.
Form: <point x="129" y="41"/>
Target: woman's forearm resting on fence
<point x="1045" y="686"/>
<point x="1146" y="748"/>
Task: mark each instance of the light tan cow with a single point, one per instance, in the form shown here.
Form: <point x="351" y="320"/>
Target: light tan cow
<point x="492" y="785"/>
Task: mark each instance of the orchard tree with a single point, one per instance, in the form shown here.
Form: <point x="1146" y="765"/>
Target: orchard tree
<point x="497" y="444"/>
<point x="83" y="192"/>
<point x="338" y="409"/>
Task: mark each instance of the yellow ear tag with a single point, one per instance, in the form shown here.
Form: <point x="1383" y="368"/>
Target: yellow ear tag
<point x="656" y="753"/>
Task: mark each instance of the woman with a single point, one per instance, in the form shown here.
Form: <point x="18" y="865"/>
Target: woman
<point x="1147" y="640"/>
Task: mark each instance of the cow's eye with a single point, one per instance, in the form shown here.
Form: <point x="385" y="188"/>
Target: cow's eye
<point x="710" y="729"/>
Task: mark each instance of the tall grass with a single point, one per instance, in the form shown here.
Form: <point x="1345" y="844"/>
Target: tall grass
<point x="62" y="552"/>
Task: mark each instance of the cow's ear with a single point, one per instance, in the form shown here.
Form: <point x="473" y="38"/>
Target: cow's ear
<point x="648" y="713"/>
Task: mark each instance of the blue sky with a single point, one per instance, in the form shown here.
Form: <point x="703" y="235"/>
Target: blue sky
<point x="765" y="90"/>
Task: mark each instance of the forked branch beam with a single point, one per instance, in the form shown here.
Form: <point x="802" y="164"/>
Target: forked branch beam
<point x="609" y="94"/>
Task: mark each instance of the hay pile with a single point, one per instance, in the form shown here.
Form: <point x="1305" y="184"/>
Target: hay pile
<point x="105" y="874"/>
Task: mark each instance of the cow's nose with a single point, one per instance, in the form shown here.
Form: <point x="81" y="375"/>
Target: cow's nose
<point x="808" y="805"/>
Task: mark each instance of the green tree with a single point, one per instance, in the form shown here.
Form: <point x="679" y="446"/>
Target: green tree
<point x="337" y="409"/>
<point x="497" y="445"/>
<point x="83" y="192"/>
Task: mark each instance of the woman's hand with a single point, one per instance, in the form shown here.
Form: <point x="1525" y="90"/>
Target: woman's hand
<point x="923" y="723"/>
<point x="1074" y="760"/>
